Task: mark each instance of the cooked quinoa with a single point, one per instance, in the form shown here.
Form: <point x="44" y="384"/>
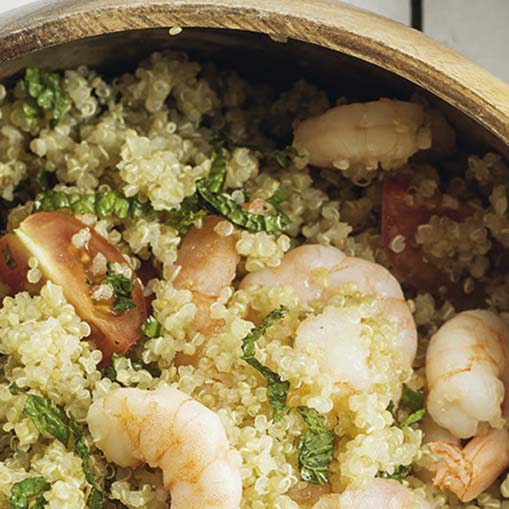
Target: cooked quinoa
<point x="151" y="136"/>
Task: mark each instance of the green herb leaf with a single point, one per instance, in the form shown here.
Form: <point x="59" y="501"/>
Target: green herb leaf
<point x="24" y="492"/>
<point x="44" y="94"/>
<point x="110" y="371"/>
<point x="122" y="286"/>
<point x="122" y="289"/>
<point x="108" y="203"/>
<point x="315" y="447"/>
<point x="277" y="199"/>
<point x="47" y="417"/>
<point x="231" y="210"/>
<point x="283" y="156"/>
<point x="277" y="390"/>
<point x="151" y="328"/>
<point x="9" y="260"/>
<point x="399" y="474"/>
<point x="45" y="180"/>
<point x="14" y="389"/>
<point x="190" y="211"/>
<point x="122" y="304"/>
<point x="96" y="497"/>
<point x="412" y="400"/>
<point x="217" y="174"/>
<point x="413" y="418"/>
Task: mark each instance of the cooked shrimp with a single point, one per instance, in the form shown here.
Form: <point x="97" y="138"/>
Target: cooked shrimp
<point x="375" y="494"/>
<point x="169" y="430"/>
<point x="467" y="373"/>
<point x="208" y="263"/>
<point x="316" y="272"/>
<point x="385" y="132"/>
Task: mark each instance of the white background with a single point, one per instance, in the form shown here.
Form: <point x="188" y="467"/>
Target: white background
<point x="477" y="28"/>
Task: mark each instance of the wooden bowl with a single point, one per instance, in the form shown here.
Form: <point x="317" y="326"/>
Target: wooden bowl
<point x="347" y="50"/>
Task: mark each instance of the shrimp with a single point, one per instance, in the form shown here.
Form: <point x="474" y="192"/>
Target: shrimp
<point x="208" y="263"/>
<point x="467" y="374"/>
<point x="385" y="132"/>
<point x="316" y="272"/>
<point x="374" y="494"/>
<point x="169" y="430"/>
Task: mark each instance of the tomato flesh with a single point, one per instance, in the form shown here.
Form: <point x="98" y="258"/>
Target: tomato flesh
<point x="47" y="236"/>
<point x="402" y="216"/>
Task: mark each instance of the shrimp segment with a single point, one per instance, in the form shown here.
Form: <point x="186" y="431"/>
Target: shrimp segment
<point x="385" y="132"/>
<point x="208" y="263"/>
<point x="467" y="373"/>
<point x="465" y="365"/>
<point x="316" y="273"/>
<point x="375" y="494"/>
<point x="168" y="429"/>
<point x="470" y="471"/>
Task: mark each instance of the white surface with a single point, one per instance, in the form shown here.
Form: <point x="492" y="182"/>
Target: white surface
<point x="476" y="28"/>
<point x="398" y="10"/>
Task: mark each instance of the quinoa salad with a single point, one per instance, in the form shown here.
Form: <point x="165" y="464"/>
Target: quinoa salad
<point x="219" y="295"/>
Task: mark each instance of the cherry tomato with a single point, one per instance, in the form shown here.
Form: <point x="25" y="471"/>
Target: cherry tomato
<point x="402" y="216"/>
<point x="47" y="236"/>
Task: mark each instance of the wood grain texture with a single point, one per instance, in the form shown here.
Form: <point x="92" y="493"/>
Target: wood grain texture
<point x="340" y="27"/>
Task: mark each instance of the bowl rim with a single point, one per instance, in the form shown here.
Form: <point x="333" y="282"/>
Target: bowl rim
<point x="385" y="43"/>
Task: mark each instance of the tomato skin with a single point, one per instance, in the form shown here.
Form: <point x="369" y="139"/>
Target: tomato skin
<point x="48" y="237"/>
<point x="402" y="216"/>
<point x="13" y="272"/>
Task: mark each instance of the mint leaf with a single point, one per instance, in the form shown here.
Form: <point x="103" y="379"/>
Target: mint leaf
<point x="399" y="473"/>
<point x="151" y="328"/>
<point x="315" y="447"/>
<point x="277" y="390"/>
<point x="30" y="490"/>
<point x="44" y="94"/>
<point x="122" y="289"/>
<point x="9" y="260"/>
<point x="96" y="497"/>
<point x="108" y="203"/>
<point x="47" y="417"/>
<point x="231" y="210"/>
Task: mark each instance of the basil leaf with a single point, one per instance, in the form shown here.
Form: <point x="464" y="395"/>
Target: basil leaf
<point x="96" y="497"/>
<point x="9" y="260"/>
<point x="24" y="492"/>
<point x="315" y="447"/>
<point x="151" y="328"/>
<point x="47" y="417"/>
<point x="399" y="474"/>
<point x="44" y="94"/>
<point x="231" y="210"/>
<point x="277" y="390"/>
<point x="108" y="203"/>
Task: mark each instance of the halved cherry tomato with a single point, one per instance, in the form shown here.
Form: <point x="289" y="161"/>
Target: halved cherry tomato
<point x="146" y="273"/>
<point x="47" y="236"/>
<point x="402" y="216"/>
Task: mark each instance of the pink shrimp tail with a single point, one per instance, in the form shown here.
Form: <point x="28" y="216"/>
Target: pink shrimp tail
<point x="468" y="472"/>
